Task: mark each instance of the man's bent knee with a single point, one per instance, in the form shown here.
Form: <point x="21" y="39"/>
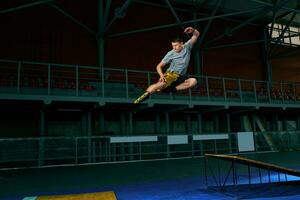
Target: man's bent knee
<point x="193" y="82"/>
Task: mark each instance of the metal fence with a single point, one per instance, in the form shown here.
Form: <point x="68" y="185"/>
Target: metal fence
<point x="48" y="151"/>
<point x="45" y="79"/>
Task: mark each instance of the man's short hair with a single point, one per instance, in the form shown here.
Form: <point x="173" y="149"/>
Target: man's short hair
<point x="177" y="39"/>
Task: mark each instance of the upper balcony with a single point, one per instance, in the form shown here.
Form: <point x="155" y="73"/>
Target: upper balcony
<point x="47" y="82"/>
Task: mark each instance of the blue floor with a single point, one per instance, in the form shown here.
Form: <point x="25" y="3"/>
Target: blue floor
<point x="195" y="188"/>
<point x="16" y="185"/>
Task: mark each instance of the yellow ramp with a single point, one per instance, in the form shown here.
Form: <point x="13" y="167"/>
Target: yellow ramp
<point x="88" y="196"/>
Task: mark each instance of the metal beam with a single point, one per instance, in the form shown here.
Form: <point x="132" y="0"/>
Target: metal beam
<point x="174" y="13"/>
<point x="186" y="22"/>
<point x="139" y="108"/>
<point x="178" y="109"/>
<point x="282" y="33"/>
<point x="284" y="14"/>
<point x="283" y="7"/>
<point x="119" y="13"/>
<point x="235" y="44"/>
<point x="276" y="18"/>
<point x="106" y="12"/>
<point x="217" y="109"/>
<point x="229" y="31"/>
<point x="203" y="34"/>
<point x="244" y="110"/>
<point x="73" y="19"/>
<point x="188" y="10"/>
<point x="25" y="6"/>
<point x="248" y="42"/>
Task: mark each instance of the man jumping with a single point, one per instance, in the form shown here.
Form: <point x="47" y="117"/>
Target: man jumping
<point x="174" y="79"/>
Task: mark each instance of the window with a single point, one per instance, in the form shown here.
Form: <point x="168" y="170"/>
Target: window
<point x="291" y="37"/>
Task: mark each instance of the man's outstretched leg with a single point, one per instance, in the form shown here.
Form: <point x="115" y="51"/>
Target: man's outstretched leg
<point x="151" y="89"/>
<point x="143" y="97"/>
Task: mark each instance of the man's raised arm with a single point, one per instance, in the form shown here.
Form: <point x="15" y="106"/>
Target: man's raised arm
<point x="195" y="34"/>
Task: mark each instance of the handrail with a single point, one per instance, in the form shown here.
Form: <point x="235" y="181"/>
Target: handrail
<point x="131" y="70"/>
<point x="21" y="77"/>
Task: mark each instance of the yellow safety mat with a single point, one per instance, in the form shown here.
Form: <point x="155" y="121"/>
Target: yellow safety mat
<point x="87" y="196"/>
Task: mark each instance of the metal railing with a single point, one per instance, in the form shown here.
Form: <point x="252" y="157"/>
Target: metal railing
<point x="45" y="79"/>
<point x="48" y="151"/>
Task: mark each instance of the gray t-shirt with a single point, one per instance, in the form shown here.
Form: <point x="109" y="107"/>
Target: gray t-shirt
<point x="179" y="61"/>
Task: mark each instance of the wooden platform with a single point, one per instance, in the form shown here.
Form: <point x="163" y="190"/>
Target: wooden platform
<point x="255" y="163"/>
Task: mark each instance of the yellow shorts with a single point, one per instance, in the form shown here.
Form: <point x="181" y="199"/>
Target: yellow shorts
<point x="171" y="77"/>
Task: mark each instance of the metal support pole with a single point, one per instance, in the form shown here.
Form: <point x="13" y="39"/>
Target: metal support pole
<point x="253" y="123"/>
<point x="217" y="123"/>
<point x="298" y="122"/>
<point x="284" y="123"/>
<point x="273" y="20"/>
<point x="266" y="61"/>
<point x="130" y="132"/>
<point x="228" y="123"/>
<point x="259" y="172"/>
<point x="197" y="54"/>
<point x="249" y="175"/>
<point x="126" y="83"/>
<point x="167" y="121"/>
<point x="278" y="123"/>
<point x="41" y="141"/>
<point x="101" y="123"/>
<point x="199" y="120"/>
<point x="101" y="30"/>
<point x="207" y="87"/>
<point x="205" y="171"/>
<point x="157" y="124"/>
<point x="130" y="123"/>
<point x="224" y="89"/>
<point x="77" y="80"/>
<point x="188" y="123"/>
<point x="123" y="132"/>
<point x="88" y="116"/>
<point x="49" y="79"/>
<point x="19" y="78"/>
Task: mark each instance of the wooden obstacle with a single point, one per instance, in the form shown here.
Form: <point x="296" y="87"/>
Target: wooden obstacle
<point x="255" y="163"/>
